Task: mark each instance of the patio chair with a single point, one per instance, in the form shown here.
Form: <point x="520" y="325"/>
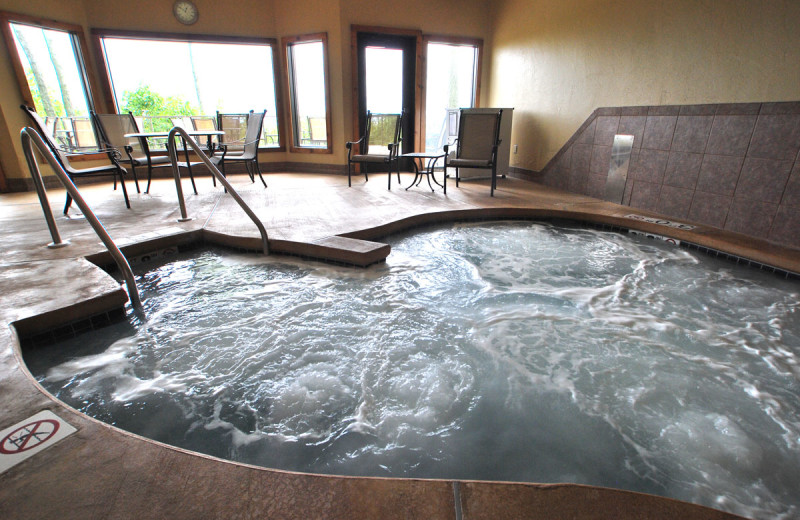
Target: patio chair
<point x="204" y="123"/>
<point x="248" y="145"/>
<point x="111" y="130"/>
<point x="235" y="128"/>
<point x="476" y="145"/>
<point x="83" y="133"/>
<point x="50" y="123"/>
<point x="380" y="144"/>
<point x="318" y="131"/>
<point x="114" y="169"/>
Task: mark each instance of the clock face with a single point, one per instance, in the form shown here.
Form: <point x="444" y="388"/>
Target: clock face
<point x="185" y="12"/>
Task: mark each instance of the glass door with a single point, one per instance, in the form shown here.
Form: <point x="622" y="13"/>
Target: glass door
<point x="386" y="80"/>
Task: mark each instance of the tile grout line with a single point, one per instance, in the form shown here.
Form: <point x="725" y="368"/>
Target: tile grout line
<point x="457" y="499"/>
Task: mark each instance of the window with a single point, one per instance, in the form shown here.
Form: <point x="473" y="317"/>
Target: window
<point x="48" y="59"/>
<point x="453" y="75"/>
<point x="160" y="79"/>
<point x="308" y="87"/>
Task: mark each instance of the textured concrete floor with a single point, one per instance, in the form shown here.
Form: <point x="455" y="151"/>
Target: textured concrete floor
<point x="102" y="472"/>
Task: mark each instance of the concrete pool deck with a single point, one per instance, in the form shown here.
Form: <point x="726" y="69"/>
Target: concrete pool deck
<point x="102" y="472"/>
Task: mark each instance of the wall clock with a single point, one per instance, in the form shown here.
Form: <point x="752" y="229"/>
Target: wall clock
<point x="185" y="12"/>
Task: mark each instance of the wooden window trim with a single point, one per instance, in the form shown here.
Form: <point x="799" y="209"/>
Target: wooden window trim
<point x="286" y="42"/>
<point x="105" y="79"/>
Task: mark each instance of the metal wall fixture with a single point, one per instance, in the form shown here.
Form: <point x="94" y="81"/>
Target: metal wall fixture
<point x="618" y="168"/>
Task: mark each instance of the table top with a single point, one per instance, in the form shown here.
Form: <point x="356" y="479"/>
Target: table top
<point x="166" y="134"/>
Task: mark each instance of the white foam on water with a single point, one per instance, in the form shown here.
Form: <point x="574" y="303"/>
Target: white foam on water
<point x="511" y="351"/>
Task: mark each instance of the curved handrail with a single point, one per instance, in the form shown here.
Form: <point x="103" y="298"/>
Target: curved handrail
<point x="28" y="135"/>
<point x="173" y="155"/>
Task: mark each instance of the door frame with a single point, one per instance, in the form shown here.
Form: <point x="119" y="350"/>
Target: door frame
<point x="391" y="31"/>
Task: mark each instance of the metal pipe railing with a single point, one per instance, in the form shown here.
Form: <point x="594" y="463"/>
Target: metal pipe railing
<point x="173" y="155"/>
<point x="28" y="135"/>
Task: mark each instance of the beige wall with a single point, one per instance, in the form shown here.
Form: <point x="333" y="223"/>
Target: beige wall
<point x="556" y="61"/>
<point x="264" y="18"/>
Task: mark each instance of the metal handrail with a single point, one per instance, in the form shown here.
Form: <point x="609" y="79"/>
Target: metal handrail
<point x="27" y="135"/>
<point x="173" y="155"/>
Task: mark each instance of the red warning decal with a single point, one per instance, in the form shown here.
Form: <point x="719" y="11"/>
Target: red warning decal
<point x="28" y="437"/>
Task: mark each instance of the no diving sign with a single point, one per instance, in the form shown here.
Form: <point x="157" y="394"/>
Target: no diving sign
<point x="29" y="437"/>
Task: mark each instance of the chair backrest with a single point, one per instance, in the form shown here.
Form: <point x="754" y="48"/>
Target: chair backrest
<point x="111" y="130"/>
<point x="253" y="135"/>
<point x="50" y="123"/>
<point x="317" y="130"/>
<point x="478" y="134"/>
<point x="83" y="132"/>
<point x="235" y="128"/>
<point x="380" y="131"/>
<point x="204" y="123"/>
<point x="181" y="122"/>
<point x="40" y="127"/>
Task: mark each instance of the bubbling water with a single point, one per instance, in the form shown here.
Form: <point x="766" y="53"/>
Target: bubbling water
<point x="494" y="351"/>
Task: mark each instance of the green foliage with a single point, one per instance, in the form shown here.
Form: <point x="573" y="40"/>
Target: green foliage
<point x="143" y="101"/>
<point x="38" y="103"/>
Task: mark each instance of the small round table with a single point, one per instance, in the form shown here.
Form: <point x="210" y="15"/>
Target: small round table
<point x="426" y="169"/>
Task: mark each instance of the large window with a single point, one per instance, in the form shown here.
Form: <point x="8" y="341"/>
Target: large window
<point x="308" y="88"/>
<point x="48" y="59"/>
<point x="452" y="79"/>
<point x="161" y="79"/>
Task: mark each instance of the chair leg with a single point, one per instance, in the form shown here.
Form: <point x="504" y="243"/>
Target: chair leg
<point x="189" y="167"/>
<point x="124" y="190"/>
<point x="258" y="169"/>
<point x="249" y="167"/>
<point x="149" y="178"/>
<point x="191" y="176"/>
<point x="494" y="181"/>
<point x="222" y="171"/>
<point x="456" y="177"/>
<point x="349" y="180"/>
<point x="135" y="178"/>
<point x="68" y="204"/>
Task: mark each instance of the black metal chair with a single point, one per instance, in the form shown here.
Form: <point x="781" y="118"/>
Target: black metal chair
<point x="114" y="169"/>
<point x="111" y="130"/>
<point x="477" y="144"/>
<point x="245" y="147"/>
<point x="380" y="144"/>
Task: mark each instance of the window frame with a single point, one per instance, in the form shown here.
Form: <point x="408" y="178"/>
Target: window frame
<point x="286" y="43"/>
<point x="77" y="35"/>
<point x="449" y="40"/>
<point x="105" y="78"/>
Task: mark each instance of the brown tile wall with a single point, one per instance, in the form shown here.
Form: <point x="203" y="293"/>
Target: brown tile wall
<point x="732" y="166"/>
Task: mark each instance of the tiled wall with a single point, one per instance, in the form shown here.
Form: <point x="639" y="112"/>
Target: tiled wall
<point x="732" y="166"/>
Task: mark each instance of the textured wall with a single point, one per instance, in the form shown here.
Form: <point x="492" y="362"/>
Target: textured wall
<point x="731" y="166"/>
<point x="555" y="62"/>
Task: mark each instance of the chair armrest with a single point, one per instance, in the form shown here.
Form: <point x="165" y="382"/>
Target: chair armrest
<point x="94" y="151"/>
<point x="349" y="144"/>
